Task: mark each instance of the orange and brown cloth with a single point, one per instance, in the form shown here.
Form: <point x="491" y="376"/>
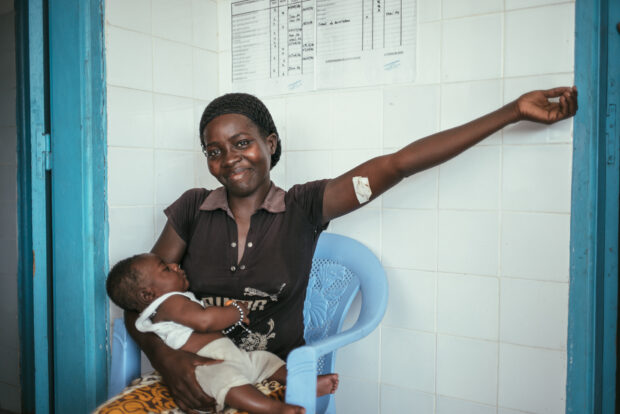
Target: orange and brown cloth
<point x="147" y="395"/>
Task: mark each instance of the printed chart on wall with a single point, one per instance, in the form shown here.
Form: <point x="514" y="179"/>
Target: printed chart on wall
<point x="282" y="46"/>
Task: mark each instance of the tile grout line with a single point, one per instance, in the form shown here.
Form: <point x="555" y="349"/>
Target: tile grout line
<point x="500" y="215"/>
<point x="437" y="198"/>
<point x="380" y="370"/>
<point x="153" y="126"/>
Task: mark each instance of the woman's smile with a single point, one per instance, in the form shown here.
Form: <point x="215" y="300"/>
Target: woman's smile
<point x="238" y="174"/>
<point x="238" y="156"/>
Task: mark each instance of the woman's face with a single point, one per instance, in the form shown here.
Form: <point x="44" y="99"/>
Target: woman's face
<point x="238" y="156"/>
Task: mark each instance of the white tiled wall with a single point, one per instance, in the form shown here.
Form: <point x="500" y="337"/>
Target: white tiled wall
<point x="162" y="69"/>
<point x="9" y="337"/>
<point x="476" y="250"/>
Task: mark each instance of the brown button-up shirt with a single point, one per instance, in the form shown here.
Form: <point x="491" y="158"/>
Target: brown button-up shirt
<point x="273" y="272"/>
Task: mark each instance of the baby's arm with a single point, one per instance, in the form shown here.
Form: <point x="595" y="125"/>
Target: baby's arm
<point x="180" y="309"/>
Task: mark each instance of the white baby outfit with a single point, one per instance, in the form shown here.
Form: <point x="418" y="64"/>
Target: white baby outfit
<point x="238" y="367"/>
<point x="173" y="334"/>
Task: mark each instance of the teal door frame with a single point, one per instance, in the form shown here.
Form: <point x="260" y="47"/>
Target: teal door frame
<point x="63" y="238"/>
<point x="79" y="221"/>
<point x="33" y="194"/>
<point x="593" y="302"/>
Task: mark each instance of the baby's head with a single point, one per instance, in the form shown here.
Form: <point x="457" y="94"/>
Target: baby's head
<point x="135" y="282"/>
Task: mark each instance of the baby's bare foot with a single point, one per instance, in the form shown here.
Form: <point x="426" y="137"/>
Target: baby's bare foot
<point x="292" y="409"/>
<point x="326" y="384"/>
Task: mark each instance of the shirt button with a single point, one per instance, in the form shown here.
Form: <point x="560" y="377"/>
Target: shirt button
<point x="233" y="268"/>
<point x="233" y="244"/>
<point x="242" y="267"/>
<point x="250" y="244"/>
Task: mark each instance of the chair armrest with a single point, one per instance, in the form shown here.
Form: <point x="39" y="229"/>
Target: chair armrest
<point x="302" y="361"/>
<point x="302" y="367"/>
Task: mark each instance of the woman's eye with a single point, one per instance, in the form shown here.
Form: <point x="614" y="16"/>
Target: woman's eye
<point x="243" y="143"/>
<point x="213" y="153"/>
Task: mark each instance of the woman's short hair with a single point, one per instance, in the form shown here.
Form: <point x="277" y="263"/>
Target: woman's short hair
<point x="244" y="104"/>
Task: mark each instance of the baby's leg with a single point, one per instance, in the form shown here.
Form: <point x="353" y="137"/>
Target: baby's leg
<point x="279" y="375"/>
<point x="248" y="398"/>
<point x="325" y="384"/>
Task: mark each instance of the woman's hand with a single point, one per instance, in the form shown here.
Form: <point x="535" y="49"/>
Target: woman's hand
<point x="178" y="373"/>
<point x="536" y="106"/>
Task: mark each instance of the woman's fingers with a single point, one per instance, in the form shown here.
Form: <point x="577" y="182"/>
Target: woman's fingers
<point x="182" y="394"/>
<point x="204" y="401"/>
<point x="184" y="407"/>
<point x="555" y="92"/>
<point x="568" y="104"/>
<point x="205" y="361"/>
<point x="549" y="106"/>
<point x="572" y="101"/>
<point x="191" y="395"/>
<point x="179" y="374"/>
<point x="563" y="108"/>
<point x="184" y="399"/>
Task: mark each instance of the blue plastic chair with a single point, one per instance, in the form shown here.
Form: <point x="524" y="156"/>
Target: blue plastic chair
<point x="341" y="267"/>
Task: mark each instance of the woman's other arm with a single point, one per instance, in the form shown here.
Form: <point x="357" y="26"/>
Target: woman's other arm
<point x="170" y="247"/>
<point x="386" y="171"/>
<point x="176" y="367"/>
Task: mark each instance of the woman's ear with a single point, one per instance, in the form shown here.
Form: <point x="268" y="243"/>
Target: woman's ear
<point x="272" y="142"/>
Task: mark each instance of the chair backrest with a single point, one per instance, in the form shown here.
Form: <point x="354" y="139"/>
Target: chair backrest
<point x="331" y="290"/>
<point x="340" y="268"/>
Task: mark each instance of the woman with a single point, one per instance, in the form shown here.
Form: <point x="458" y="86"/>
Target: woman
<point x="252" y="241"/>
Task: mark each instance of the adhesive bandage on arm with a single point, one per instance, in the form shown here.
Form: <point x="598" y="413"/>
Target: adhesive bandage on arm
<point x="362" y="189"/>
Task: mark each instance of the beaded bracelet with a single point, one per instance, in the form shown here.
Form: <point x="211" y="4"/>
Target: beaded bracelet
<point x="239" y="322"/>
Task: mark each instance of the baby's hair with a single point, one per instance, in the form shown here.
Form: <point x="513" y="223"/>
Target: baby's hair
<point x="243" y="104"/>
<point x="124" y="282"/>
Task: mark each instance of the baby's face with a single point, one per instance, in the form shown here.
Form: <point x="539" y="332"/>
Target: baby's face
<point x="162" y="277"/>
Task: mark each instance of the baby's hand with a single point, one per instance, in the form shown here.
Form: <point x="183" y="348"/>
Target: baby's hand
<point x="246" y="312"/>
<point x="244" y="308"/>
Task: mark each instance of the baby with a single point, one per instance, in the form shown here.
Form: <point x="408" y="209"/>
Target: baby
<point x="158" y="291"/>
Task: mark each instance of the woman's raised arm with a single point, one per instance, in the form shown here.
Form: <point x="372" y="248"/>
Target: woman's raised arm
<point x="382" y="173"/>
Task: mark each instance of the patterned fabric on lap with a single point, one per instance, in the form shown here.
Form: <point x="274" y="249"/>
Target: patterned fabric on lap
<point x="147" y="395"/>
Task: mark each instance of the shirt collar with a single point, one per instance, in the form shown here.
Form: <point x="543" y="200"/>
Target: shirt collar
<point x="273" y="203"/>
